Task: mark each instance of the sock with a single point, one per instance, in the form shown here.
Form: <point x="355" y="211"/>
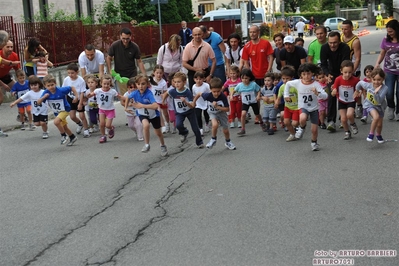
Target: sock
<point x="63" y="134"/>
<point x="214" y="138"/>
<point x="72" y="136"/>
<point x="227" y="140"/>
<point x="80" y="123"/>
<point x="314" y="141"/>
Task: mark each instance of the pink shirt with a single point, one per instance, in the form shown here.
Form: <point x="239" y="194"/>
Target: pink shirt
<point x="202" y="59"/>
<point x="171" y="62"/>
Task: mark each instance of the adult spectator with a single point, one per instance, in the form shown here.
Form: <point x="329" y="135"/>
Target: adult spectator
<point x="217" y="44"/>
<point x="185" y="34"/>
<point x="6" y="81"/>
<point x="233" y="51"/>
<point x="300" y="27"/>
<point x="196" y="55"/>
<point x="353" y="42"/>
<point x="331" y="56"/>
<point x="260" y="53"/>
<point x="390" y="54"/>
<point x="91" y="61"/>
<point x="278" y="41"/>
<point x="315" y="46"/>
<point x="126" y="55"/>
<point x="170" y="55"/>
<point x="312" y="25"/>
<point x="292" y="54"/>
<point x="30" y="52"/>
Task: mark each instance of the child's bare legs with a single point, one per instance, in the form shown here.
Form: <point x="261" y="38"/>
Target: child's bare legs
<point x="29" y="116"/>
<point x="82" y="117"/>
<point x="165" y="113"/>
<point x="102" y="124"/>
<point x="215" y="126"/>
<point x="376" y="124"/>
<point x="344" y="119"/>
<point x="72" y="115"/>
<point x="57" y="123"/>
<point x="226" y="133"/>
<point x="108" y="123"/>
<point x="146" y="130"/>
<point x="67" y="130"/>
<point x="303" y="117"/>
<point x="43" y="125"/>
<point x="287" y="123"/>
<point x="314" y="129"/>
<point x="243" y="116"/>
<point x="158" y="132"/>
<point x="322" y="116"/>
<point x="350" y="113"/>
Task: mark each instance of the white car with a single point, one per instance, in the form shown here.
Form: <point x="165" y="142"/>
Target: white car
<point x="332" y="23"/>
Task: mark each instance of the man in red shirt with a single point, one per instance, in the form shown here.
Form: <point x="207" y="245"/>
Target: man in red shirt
<point x="260" y="53"/>
<point x="7" y="53"/>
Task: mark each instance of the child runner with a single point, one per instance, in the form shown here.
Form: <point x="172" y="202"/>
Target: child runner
<point x="250" y="93"/>
<point x="133" y="121"/>
<point x="291" y="111"/>
<point x="183" y="103"/>
<point x="344" y="87"/>
<point x="374" y="102"/>
<point x="235" y="99"/>
<point x="268" y="99"/>
<point x="279" y="104"/>
<point x="323" y="104"/>
<point x="42" y="65"/>
<point x="171" y="108"/>
<point x="309" y="91"/>
<point x="78" y="82"/>
<point x="40" y="115"/>
<point x="147" y="110"/>
<point x="367" y="73"/>
<point x="91" y="107"/>
<point x="105" y="100"/>
<point x="56" y="99"/>
<point x="158" y="87"/>
<point x="218" y="106"/>
<point x="200" y="105"/>
<point x="18" y="90"/>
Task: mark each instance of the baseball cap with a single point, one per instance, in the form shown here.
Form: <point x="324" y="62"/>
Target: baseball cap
<point x="289" y="39"/>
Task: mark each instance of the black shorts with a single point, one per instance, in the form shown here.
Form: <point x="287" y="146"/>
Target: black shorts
<point x="281" y="107"/>
<point x="255" y="107"/>
<point x="342" y="105"/>
<point x="40" y="118"/>
<point x="74" y="106"/>
<point x="6" y="79"/>
<point x="156" y="121"/>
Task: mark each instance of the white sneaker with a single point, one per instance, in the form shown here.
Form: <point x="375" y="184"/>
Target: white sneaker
<point x="299" y="133"/>
<point x="202" y="132"/>
<point x="32" y="127"/>
<point x="167" y="128"/>
<point x="290" y="138"/>
<point x="163" y="130"/>
<point x="391" y="113"/>
<point x="232" y="125"/>
<point x="146" y="148"/>
<point x="211" y="143"/>
<point x="364" y="119"/>
<point x="315" y="146"/>
<point x="140" y="139"/>
<point x="45" y="135"/>
<point x="79" y="129"/>
<point x="164" y="151"/>
<point x="86" y="133"/>
<point x="206" y="128"/>
<point x="95" y="128"/>
<point x="2" y="134"/>
<point x="64" y="139"/>
<point x="174" y="130"/>
<point x="239" y="124"/>
<point x="91" y="130"/>
<point x="72" y="141"/>
<point x="230" y="145"/>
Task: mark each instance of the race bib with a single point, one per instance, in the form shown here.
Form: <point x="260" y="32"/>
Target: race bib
<point x="211" y="107"/>
<point x="371" y="97"/>
<point x="21" y="93"/>
<point x="105" y="100"/>
<point x="180" y="106"/>
<point x="248" y="97"/>
<point x="346" y="95"/>
<point x="57" y="105"/>
<point x="150" y="113"/>
<point x="309" y="100"/>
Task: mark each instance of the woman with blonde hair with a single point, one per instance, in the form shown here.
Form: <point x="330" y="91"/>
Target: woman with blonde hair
<point x="170" y="55"/>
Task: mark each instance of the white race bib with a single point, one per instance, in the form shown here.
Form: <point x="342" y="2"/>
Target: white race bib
<point x="346" y="95"/>
<point x="150" y="113"/>
<point x="180" y="106"/>
<point x="248" y="97"/>
<point x="105" y="101"/>
<point x="57" y="105"/>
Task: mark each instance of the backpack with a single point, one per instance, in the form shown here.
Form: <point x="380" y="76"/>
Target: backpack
<point x="231" y="55"/>
<point x="164" y="49"/>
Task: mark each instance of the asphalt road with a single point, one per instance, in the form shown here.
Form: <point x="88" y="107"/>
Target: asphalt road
<point x="267" y="203"/>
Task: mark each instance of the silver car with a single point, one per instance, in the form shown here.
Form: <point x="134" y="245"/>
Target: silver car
<point x="332" y="23"/>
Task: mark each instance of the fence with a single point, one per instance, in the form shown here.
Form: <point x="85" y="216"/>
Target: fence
<point x="66" y="40"/>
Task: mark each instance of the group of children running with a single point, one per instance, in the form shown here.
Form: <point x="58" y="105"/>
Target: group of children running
<point x="166" y="104"/>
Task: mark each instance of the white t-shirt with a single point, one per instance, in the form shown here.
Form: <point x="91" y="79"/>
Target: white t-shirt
<point x="300" y="27"/>
<point x="79" y="84"/>
<point x="201" y="103"/>
<point x="33" y="97"/>
<point x="91" y="102"/>
<point x="105" y="99"/>
<point x="92" y="67"/>
<point x="306" y="98"/>
<point x="129" y="107"/>
<point x="158" y="90"/>
<point x="235" y="54"/>
<point x="169" y="100"/>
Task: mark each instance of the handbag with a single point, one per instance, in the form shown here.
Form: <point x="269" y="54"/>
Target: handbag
<point x="191" y="62"/>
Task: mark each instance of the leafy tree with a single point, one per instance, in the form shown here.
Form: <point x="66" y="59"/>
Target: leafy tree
<point x="330" y="4"/>
<point x="139" y="10"/>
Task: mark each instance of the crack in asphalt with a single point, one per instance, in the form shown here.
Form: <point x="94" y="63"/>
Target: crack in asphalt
<point x="114" y="200"/>
<point x="170" y="193"/>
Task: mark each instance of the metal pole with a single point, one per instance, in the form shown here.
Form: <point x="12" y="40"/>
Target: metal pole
<point x="160" y="23"/>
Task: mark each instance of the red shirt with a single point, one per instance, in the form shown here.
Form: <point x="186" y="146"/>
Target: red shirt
<point x="258" y="54"/>
<point x="345" y="88"/>
<point x="5" y="69"/>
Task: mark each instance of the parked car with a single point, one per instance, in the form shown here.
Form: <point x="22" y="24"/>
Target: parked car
<point x="332" y="23"/>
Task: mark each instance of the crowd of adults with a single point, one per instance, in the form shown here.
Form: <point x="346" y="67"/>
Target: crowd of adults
<point x="201" y="49"/>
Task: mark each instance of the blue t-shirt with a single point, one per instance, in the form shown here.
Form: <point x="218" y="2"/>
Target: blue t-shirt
<point x="180" y="106"/>
<point x="221" y="101"/>
<point x="146" y="98"/>
<point x="21" y="89"/>
<point x="214" y="40"/>
<point x="57" y="100"/>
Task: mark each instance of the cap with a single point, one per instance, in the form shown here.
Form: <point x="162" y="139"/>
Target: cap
<point x="289" y="39"/>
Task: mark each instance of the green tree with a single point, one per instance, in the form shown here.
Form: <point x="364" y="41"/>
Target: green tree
<point x="330" y="4"/>
<point x="305" y="5"/>
<point x="139" y="10"/>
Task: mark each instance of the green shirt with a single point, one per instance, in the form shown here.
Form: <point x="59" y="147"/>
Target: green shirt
<point x="314" y="50"/>
<point x="293" y="105"/>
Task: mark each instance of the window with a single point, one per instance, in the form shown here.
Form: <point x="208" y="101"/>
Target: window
<point x="78" y="7"/>
<point x="28" y="10"/>
<point x="89" y="4"/>
<point x="43" y="5"/>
